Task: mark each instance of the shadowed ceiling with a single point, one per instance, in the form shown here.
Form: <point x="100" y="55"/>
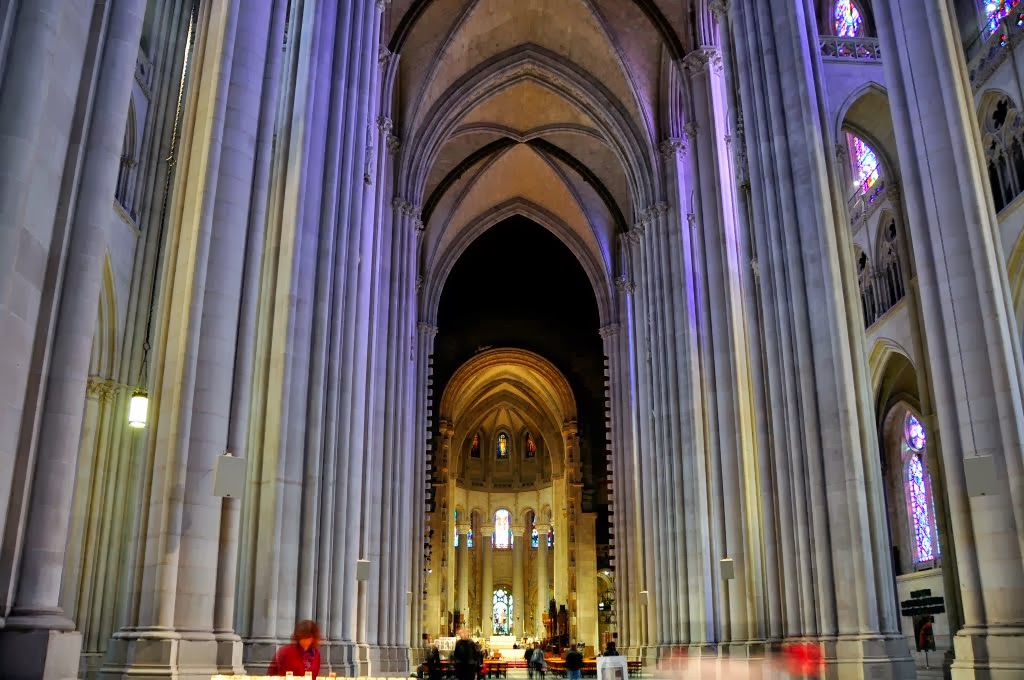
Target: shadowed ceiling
<point x="549" y="104"/>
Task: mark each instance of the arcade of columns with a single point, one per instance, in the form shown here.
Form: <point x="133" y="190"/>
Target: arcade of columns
<point x="731" y="334"/>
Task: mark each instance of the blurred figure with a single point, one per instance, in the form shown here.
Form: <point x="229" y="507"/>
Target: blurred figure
<point x="528" y="657"/>
<point x="434" y="668"/>
<point x="537" y="662"/>
<point x="464" y="657"/>
<point x="302" y="655"/>
<point x="574" y="663"/>
<point x="610" y="650"/>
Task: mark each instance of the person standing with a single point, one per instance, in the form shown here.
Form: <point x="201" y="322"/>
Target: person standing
<point x="302" y="655"/>
<point x="528" y="658"/>
<point x="538" y="663"/>
<point x="574" y="663"/>
<point x="464" y="657"/>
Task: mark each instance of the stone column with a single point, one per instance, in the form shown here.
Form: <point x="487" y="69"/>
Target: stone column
<point x="518" y="598"/>
<point x="486" y="548"/>
<point x="37" y="602"/>
<point x="837" y="575"/>
<point x="543" y="588"/>
<point x="970" y="337"/>
<point x="462" y="601"/>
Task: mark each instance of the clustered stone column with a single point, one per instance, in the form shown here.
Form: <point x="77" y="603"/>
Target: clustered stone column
<point x="486" y="548"/>
<point x="32" y="638"/>
<point x="462" y="601"/>
<point x="518" y="591"/>
<point x="974" y="359"/>
<point x="543" y="587"/>
<point x="835" y="575"/>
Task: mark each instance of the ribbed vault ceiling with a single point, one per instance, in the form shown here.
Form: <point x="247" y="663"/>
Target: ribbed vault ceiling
<point x="549" y="106"/>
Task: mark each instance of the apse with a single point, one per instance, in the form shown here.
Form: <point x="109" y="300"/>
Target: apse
<point x="518" y="286"/>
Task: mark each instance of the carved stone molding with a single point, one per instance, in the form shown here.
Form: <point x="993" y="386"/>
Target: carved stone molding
<point x="755" y="267"/>
<point x="673" y="147"/>
<point x="720" y="8"/>
<point x="383" y="4"/>
<point x="406" y="208"/>
<point x="419" y="283"/>
<point x="701" y="58"/>
<point x="393" y="144"/>
<point x="426" y="329"/>
<point x="384" y="56"/>
<point x="691" y="219"/>
<point x="691" y="129"/>
<point x="101" y="389"/>
<point x="611" y="329"/>
<point x="625" y="285"/>
<point x="384" y="124"/>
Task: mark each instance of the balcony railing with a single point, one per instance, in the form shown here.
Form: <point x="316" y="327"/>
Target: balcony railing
<point x="835" y="48"/>
<point x="991" y="48"/>
<point x="862" y="206"/>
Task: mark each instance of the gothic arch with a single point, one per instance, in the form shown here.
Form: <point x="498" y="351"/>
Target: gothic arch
<point x="879" y="359"/>
<point x="439" y="267"/>
<point x="103" y="361"/>
<point x="549" y="70"/>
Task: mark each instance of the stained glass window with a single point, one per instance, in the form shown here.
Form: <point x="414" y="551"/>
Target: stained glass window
<point x="846" y="19"/>
<point x="502" y="612"/>
<point x="469" y="538"/>
<point x="920" y="502"/>
<point x="502" y="448"/>
<point x="866" y="170"/>
<point x="531" y="446"/>
<point x="997" y="10"/>
<point x="551" y="537"/>
<point x="456" y="523"/>
<point x="474" y="448"/>
<point x="534" y="538"/>
<point x="919" y="506"/>
<point x="502" y="529"/>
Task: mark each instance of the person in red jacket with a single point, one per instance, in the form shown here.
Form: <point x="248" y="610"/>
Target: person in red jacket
<point x="302" y="655"/>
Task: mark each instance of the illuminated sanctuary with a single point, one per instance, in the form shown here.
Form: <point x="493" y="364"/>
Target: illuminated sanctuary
<point x="692" y="326"/>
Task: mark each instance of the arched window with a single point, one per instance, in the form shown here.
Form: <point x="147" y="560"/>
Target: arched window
<point x="503" y="529"/>
<point x="997" y="10"/>
<point x="126" y="171"/>
<point x="864" y="162"/>
<point x="846" y="19"/>
<point x="890" y="281"/>
<point x="535" y="536"/>
<point x="531" y="446"/>
<point x="551" y="537"/>
<point x="868" y="298"/>
<point x="474" y="448"/>
<point x="1003" y="132"/>
<point x="502" y="612"/>
<point x="501" y="449"/>
<point x="918" y="486"/>
<point x="456" y="523"/>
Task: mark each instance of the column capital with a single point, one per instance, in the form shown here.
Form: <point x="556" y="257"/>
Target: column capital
<point x="701" y="58"/>
<point x="720" y="8"/>
<point x="542" y="528"/>
<point x="445" y="429"/>
<point x="487" y="531"/>
<point x="384" y="57"/>
<point x="463" y="528"/>
<point x="518" y="529"/>
<point x="673" y="147"/>
<point x="101" y="389"/>
<point x="393" y="144"/>
<point x="570" y="428"/>
<point x="625" y="285"/>
<point x="427" y="329"/>
<point x="609" y="331"/>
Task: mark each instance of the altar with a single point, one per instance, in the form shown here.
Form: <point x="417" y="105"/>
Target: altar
<point x="501" y="645"/>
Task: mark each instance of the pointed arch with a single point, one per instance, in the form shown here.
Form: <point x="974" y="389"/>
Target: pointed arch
<point x="440" y="267"/>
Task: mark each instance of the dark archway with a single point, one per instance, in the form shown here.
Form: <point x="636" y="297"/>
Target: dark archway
<point x="518" y="286"/>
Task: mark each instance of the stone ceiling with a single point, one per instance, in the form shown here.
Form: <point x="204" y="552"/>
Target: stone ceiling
<point x="542" y="107"/>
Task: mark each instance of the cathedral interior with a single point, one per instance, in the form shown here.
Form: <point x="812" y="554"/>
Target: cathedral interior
<point x="691" y="326"/>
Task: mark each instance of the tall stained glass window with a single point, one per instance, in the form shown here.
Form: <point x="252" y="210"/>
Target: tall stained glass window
<point x="534" y="536"/>
<point x="474" y="448"/>
<point x="846" y="19"/>
<point x="502" y="612"/>
<point x="456" y="523"/>
<point x="502" y="529"/>
<point x="551" y="537"/>
<point x="502" y="447"/>
<point x="920" y="503"/>
<point x="531" y="446"/>
<point x="997" y="10"/>
<point x="864" y="162"/>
